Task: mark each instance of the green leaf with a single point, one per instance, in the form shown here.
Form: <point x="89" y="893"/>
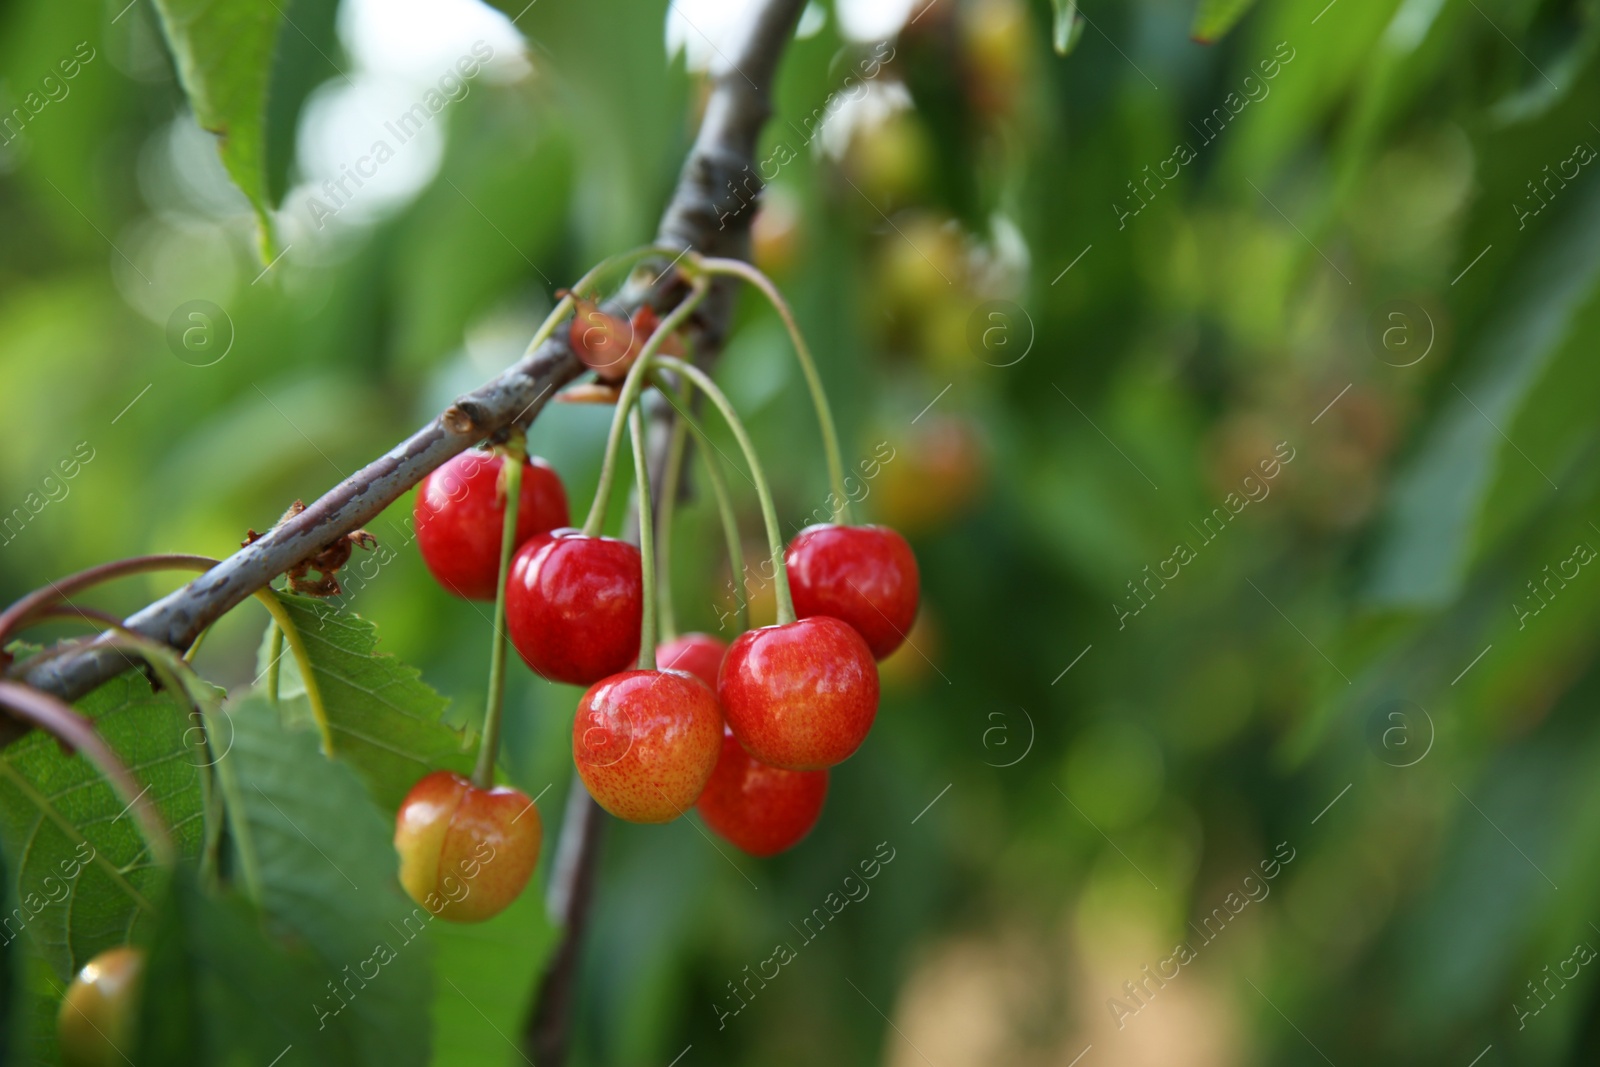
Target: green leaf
<point x="223" y="50"/>
<point x="304" y="59"/>
<point x="81" y="873"/>
<point x="1067" y="28"/>
<point x="486" y="975"/>
<point x="385" y="722"/>
<point x="1437" y="501"/>
<point x="316" y="855"/>
<point x="227" y="993"/>
<point x="1217" y="17"/>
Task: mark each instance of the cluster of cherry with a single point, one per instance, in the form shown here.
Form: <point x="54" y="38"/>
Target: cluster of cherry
<point x="744" y="732"/>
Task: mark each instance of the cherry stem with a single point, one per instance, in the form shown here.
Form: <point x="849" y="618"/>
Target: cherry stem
<point x="769" y="513"/>
<point x="671" y="477"/>
<point x="632" y="386"/>
<point x="275" y="656"/>
<point x="22" y="610"/>
<point x="512" y="454"/>
<point x="719" y="489"/>
<point x="302" y="658"/>
<point x="647" y="538"/>
<point x="808" y="366"/>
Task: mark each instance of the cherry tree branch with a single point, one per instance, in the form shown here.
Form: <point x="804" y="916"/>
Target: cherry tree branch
<point x="703" y="214"/>
<point x="709" y="213"/>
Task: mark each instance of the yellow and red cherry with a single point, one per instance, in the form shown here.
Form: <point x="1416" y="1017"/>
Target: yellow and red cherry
<point x="645" y="743"/>
<point x="465" y="853"/>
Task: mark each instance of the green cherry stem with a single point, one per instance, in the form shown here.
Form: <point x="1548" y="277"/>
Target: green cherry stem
<point x="512" y="454"/>
<point x="719" y="489"/>
<point x="647" y="541"/>
<point x="671" y="477"/>
<point x="274" y="661"/>
<point x="808" y="366"/>
<point x="769" y="512"/>
<point x="632" y="385"/>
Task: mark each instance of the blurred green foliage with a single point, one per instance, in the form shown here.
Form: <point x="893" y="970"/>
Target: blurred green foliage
<point x="1381" y="258"/>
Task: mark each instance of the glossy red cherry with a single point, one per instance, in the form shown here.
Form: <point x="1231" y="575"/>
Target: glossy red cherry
<point x="465" y="853"/>
<point x="645" y="743"/>
<point x="98" y="1013"/>
<point x="573" y="606"/>
<point x="460" y="509"/>
<point x="763" y="810"/>
<point x="699" y="654"/>
<point x="800" y="695"/>
<point x="864" y="575"/>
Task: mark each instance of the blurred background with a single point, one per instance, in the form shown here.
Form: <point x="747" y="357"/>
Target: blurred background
<point x="1237" y="397"/>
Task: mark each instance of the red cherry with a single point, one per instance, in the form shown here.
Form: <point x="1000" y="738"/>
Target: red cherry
<point x="645" y="743"/>
<point x="800" y="695"/>
<point x="459" y="512"/>
<point x="465" y="853"/>
<point x="763" y="810"/>
<point x="699" y="654"/>
<point x="864" y="575"/>
<point x="573" y="605"/>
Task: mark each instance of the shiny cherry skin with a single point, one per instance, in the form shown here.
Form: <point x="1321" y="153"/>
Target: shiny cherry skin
<point x="98" y="1014"/>
<point x="863" y="575"/>
<point x="459" y="512"/>
<point x="573" y="606"/>
<point x="800" y="695"/>
<point x="699" y="654"/>
<point x="762" y="810"/>
<point x="646" y="742"/>
<point x="465" y="853"/>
